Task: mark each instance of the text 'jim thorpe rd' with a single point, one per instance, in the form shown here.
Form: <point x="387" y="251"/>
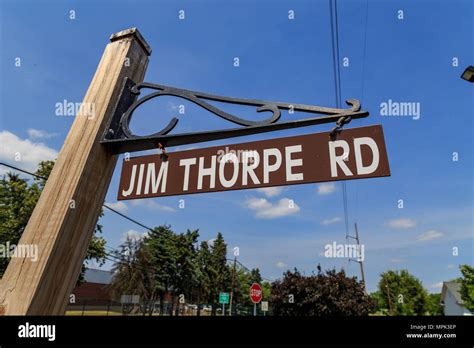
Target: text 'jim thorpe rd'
<point x="355" y="153"/>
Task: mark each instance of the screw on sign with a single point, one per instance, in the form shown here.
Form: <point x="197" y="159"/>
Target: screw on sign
<point x="256" y="293"/>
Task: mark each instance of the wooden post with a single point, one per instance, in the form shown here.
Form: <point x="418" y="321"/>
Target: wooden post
<point x="64" y="219"/>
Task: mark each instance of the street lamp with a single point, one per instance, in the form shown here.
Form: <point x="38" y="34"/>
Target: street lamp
<point x="468" y="74"/>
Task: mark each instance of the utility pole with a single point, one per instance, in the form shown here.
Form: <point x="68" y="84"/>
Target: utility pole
<point x="389" y="299"/>
<point x="359" y="260"/>
<point x="232" y="288"/>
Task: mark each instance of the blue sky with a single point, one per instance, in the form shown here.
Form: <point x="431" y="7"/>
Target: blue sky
<point x="404" y="60"/>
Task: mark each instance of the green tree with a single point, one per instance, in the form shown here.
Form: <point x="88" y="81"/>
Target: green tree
<point x="379" y="303"/>
<point x="324" y="293"/>
<point x="205" y="275"/>
<point x="266" y="290"/>
<point x="219" y="271"/>
<point x="161" y="263"/>
<point x="402" y="293"/>
<point x="17" y="201"/>
<point x="187" y="268"/>
<point x="161" y="245"/>
<point x="255" y="276"/>
<point x="244" y="280"/>
<point x="434" y="306"/>
<point x="467" y="286"/>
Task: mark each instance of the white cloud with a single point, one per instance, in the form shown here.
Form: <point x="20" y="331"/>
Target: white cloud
<point x="39" y="134"/>
<point x="134" y="235"/>
<point x="265" y="209"/>
<point x="326" y="189"/>
<point x="401" y="223"/>
<point x="152" y="205"/>
<point x="330" y="221"/>
<point x="430" y="235"/>
<point x="281" y="264"/>
<point x="119" y="206"/>
<point x="450" y="266"/>
<point x="271" y="191"/>
<point x="23" y="153"/>
<point x="436" y="285"/>
<point x="258" y="203"/>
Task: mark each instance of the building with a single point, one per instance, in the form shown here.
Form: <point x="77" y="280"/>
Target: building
<point x="95" y="285"/>
<point x="451" y="299"/>
<point x="93" y="294"/>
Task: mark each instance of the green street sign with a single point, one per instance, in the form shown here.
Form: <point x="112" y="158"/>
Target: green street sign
<point x="224" y="298"/>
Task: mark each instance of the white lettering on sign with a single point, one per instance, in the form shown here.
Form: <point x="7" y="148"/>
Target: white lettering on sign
<point x="211" y="172"/>
<point x="339" y="160"/>
<point x="151" y="179"/>
<point x="235" y="162"/>
<point x="272" y="160"/>
<point x="290" y="163"/>
<point x="127" y="192"/>
<point x="267" y="167"/>
<point x="357" y="153"/>
<point x="188" y="162"/>
<point x="375" y="158"/>
<point x="255" y="292"/>
<point x="154" y="181"/>
<point x="140" y="179"/>
<point x="251" y="160"/>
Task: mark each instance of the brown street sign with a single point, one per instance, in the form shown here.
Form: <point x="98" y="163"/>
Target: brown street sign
<point x="355" y="153"/>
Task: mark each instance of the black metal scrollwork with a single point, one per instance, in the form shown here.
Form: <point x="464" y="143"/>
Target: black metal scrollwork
<point x="121" y="139"/>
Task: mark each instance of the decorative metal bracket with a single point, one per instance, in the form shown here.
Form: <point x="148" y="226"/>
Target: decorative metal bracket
<point x="119" y="138"/>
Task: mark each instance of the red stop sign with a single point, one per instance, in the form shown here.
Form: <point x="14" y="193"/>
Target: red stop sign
<point x="256" y="293"/>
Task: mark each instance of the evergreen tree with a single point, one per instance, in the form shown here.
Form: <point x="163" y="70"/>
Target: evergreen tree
<point x="187" y="268"/>
<point x="161" y="245"/>
<point x="220" y="274"/>
<point x="255" y="276"/>
<point x="204" y="294"/>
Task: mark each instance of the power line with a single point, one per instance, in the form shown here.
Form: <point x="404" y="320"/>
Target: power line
<point x="128" y="218"/>
<point x="364" y="49"/>
<point x="337" y="74"/>
<point x="23" y="171"/>
<point x="362" y="100"/>
<point x="337" y="84"/>
<point x="247" y="269"/>
<point x="335" y="56"/>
